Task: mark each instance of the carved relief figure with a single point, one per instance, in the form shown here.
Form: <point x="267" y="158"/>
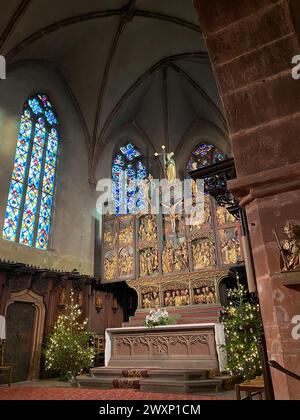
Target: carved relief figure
<point x="108" y="235"/>
<point x="230" y="246"/>
<point x="148" y="262"/>
<point x="224" y="216"/>
<point x="175" y="258"/>
<point x="168" y="257"/>
<point x="126" y="232"/>
<point x="146" y="301"/>
<point x="199" y="220"/>
<point x="178" y="298"/>
<point x="205" y="295"/>
<point x="126" y="261"/>
<point x="110" y="266"/>
<point x="169" y="300"/>
<point x="203" y="254"/>
<point x="148" y="228"/>
<point x="291" y="247"/>
<point x="150" y="300"/>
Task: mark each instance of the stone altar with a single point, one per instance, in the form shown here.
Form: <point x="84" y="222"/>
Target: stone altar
<point x="195" y="346"/>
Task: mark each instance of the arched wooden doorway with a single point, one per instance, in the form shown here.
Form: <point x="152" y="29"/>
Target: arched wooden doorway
<point x="25" y="318"/>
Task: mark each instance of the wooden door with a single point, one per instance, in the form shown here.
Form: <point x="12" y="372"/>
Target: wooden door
<point x="19" y="329"/>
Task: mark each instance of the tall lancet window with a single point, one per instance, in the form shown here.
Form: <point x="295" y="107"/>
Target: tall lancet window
<point x="31" y="193"/>
<point x="127" y="170"/>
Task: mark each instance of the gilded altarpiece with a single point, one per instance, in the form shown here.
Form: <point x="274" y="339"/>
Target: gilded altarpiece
<point x="171" y="262"/>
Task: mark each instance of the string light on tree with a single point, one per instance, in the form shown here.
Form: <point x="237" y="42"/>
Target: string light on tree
<point x="69" y="350"/>
<point x="243" y="329"/>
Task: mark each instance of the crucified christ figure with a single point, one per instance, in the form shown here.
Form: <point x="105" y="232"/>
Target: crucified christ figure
<point x="173" y="215"/>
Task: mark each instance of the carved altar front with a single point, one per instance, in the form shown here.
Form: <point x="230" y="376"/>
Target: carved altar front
<point x="185" y="346"/>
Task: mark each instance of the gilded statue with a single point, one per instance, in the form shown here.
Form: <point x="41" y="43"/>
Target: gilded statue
<point x="173" y="216"/>
<point x="126" y="233"/>
<point x="148" y="229"/>
<point x="290" y="247"/>
<point x="178" y="298"/>
<point x="170" y="167"/>
<point x="175" y="258"/>
<point x="224" y="216"/>
<point x="197" y="220"/>
<point x="125" y="263"/>
<point x="169" y="301"/>
<point x="150" y="300"/>
<point x="230" y="250"/>
<point x="108" y="236"/>
<point x="205" y="295"/>
<point x="148" y="262"/>
<point x="110" y="268"/>
<point x="203" y="254"/>
<point x="168" y="257"/>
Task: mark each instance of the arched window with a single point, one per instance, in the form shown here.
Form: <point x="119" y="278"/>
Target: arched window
<point x="31" y="193"/>
<point x="127" y="169"/>
<point x="203" y="155"/>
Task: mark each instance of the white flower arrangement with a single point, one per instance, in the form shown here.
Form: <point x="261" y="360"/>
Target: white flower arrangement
<point x="157" y="317"/>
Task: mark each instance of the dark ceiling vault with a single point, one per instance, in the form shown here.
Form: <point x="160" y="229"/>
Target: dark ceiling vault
<point x="125" y="14"/>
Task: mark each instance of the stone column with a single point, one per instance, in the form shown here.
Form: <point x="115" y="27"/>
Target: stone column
<point x="251" y="45"/>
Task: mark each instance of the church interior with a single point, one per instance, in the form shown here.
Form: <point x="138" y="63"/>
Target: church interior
<point x="181" y="300"/>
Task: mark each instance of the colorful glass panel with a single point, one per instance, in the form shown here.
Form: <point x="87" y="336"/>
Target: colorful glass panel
<point x="130" y="152"/>
<point x="203" y="155"/>
<point x="127" y="168"/>
<point x="35" y="106"/>
<point x="30" y="197"/>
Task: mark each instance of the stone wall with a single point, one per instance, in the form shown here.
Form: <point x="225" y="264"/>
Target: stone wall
<point x="251" y="45"/>
<point x="71" y="243"/>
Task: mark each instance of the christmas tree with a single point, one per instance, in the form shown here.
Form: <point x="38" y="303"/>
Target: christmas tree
<point x="243" y="330"/>
<point x="68" y="350"/>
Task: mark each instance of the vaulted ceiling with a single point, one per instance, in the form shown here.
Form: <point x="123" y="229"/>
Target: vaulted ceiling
<point x="113" y="55"/>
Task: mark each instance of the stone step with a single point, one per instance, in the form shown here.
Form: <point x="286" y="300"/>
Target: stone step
<point x="190" y="381"/>
<point x="182" y="387"/>
<point x="113" y="372"/>
<point x="180" y="374"/>
<point x="85" y="381"/>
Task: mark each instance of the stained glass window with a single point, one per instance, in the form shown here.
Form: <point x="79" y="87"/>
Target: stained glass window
<point x="203" y="155"/>
<point x="127" y="170"/>
<point x="31" y="193"/>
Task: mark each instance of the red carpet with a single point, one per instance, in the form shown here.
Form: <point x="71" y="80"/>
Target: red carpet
<point x="27" y="393"/>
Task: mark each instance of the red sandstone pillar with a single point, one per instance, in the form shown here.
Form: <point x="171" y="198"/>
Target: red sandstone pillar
<point x="251" y="45"/>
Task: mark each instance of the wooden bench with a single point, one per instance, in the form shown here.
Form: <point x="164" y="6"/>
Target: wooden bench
<point x="252" y="388"/>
